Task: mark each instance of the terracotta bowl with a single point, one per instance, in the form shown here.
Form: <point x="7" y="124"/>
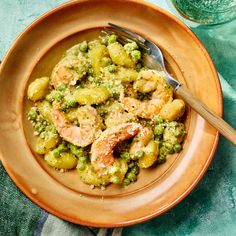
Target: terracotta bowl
<point x="39" y="48"/>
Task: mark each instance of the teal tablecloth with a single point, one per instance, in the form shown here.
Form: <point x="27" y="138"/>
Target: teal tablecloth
<point x="209" y="210"/>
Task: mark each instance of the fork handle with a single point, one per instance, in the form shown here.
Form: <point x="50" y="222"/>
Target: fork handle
<point x="224" y="128"/>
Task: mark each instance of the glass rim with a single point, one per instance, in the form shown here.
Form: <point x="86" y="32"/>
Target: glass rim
<point x="211" y="11"/>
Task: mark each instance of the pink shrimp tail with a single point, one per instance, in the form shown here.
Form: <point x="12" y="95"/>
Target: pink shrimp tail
<point x="102" y="148"/>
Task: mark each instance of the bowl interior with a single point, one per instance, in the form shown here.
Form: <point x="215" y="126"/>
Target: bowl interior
<point x="71" y="179"/>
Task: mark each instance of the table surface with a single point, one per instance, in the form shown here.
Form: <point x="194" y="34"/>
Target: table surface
<point x="211" y="208"/>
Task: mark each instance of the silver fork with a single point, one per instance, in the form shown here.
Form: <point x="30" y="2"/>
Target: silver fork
<point x="153" y="59"/>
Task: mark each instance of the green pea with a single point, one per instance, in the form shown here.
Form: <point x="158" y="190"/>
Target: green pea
<point x="83" y="159"/>
<point x="158" y="130"/>
<point x="42" y="135"/>
<point x="126" y="182"/>
<point x="131" y="176"/>
<point x="32" y="114"/>
<point x="64" y="107"/>
<point x="39" y="119"/>
<point x="112" y="38"/>
<point x="126" y="156"/>
<point x="168" y="146"/>
<point x="136" y="54"/>
<point x="57" y="96"/>
<point x="116" y="180"/>
<point x="72" y="103"/>
<point x="93" y="43"/>
<point x="37" y="126"/>
<point x="138" y="67"/>
<point x="71" y="67"/>
<point x="61" y="87"/>
<point x="97" y="80"/>
<point x="52" y="129"/>
<point x="111" y="68"/>
<point x="173" y="124"/>
<point x="135" y="170"/>
<point x="158" y="120"/>
<point x="131" y="46"/>
<point x="49" y="98"/>
<point x="139" y="154"/>
<point x="83" y="47"/>
<point x="161" y="158"/>
<point x="79" y="152"/>
<point x="177" y="147"/>
<point x="72" y="147"/>
<point x="90" y="71"/>
<point x="104" y="40"/>
<point x="68" y="104"/>
<point x="158" y="139"/>
<point x="176" y="132"/>
<point x="81" y="166"/>
<point x="131" y="165"/>
<point x="106" y="61"/>
<point x="134" y="178"/>
<point x="62" y="147"/>
<point x="75" y="150"/>
<point x="56" y="153"/>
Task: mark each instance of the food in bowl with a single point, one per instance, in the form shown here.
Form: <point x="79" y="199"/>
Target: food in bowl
<point x="103" y="113"/>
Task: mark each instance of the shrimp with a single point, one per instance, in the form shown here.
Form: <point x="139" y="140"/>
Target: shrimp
<point x="143" y="109"/>
<point x="102" y="148"/>
<point x="144" y="148"/>
<point x="90" y="126"/>
<point x="69" y="70"/>
<point x="118" y="115"/>
<point x="149" y="81"/>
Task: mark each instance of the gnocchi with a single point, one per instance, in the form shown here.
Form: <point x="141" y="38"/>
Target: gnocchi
<point x="38" y="89"/>
<point x="119" y="56"/>
<point x="173" y="110"/>
<point x="89" y="96"/>
<point x="65" y="161"/>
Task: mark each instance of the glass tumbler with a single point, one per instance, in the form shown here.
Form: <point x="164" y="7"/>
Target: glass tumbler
<point x="207" y="11"/>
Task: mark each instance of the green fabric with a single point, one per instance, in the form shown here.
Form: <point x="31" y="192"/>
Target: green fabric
<point x="18" y="215"/>
<point x="209" y="210"/>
